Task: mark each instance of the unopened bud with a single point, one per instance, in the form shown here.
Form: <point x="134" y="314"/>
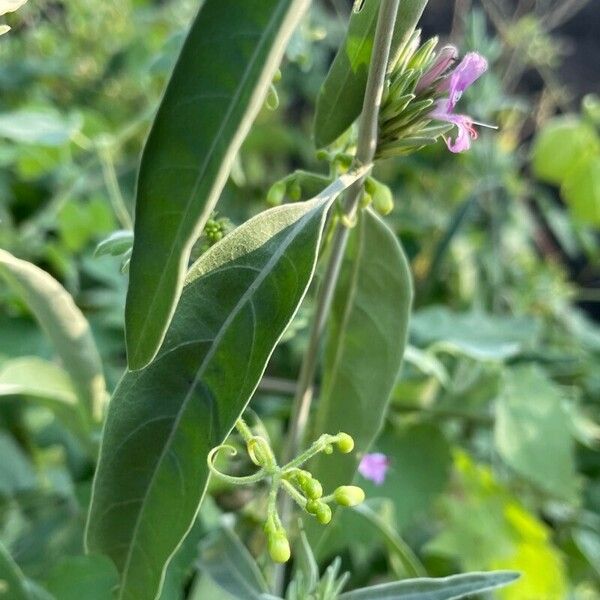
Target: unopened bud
<point x="383" y="201"/>
<point x="279" y="547"/>
<point x="323" y="513"/>
<point x="295" y="191"/>
<point x="349" y="495"/>
<point x="443" y="61"/>
<point x="276" y="193"/>
<point x="345" y="443"/>
<point x="313" y="489"/>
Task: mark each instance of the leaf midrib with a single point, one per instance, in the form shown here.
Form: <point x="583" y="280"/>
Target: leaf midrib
<point x="218" y="337"/>
<point x="225" y="122"/>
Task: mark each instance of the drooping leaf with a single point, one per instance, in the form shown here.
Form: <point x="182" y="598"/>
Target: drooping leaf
<point x="94" y="574"/>
<point x="216" y="89"/>
<point x="444" y="588"/>
<point x="115" y="244"/>
<point x="13" y="584"/>
<point x="164" y="419"/>
<point x="474" y="334"/>
<point x="532" y="425"/>
<point x="365" y="344"/>
<point x="64" y="324"/>
<point x="341" y="97"/>
<point x="225" y="558"/>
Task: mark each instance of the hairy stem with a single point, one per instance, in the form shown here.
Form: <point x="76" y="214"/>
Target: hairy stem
<point x="365" y="152"/>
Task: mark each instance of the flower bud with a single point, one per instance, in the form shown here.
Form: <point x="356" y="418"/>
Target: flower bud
<point x="383" y="201"/>
<point x="312" y="506"/>
<point x="295" y="191"/>
<point x="276" y="193"/>
<point x="328" y="449"/>
<point x="279" y="547"/>
<point x="365" y="199"/>
<point x="323" y="513"/>
<point x="345" y="443"/>
<point x="312" y="488"/>
<point x="349" y="495"/>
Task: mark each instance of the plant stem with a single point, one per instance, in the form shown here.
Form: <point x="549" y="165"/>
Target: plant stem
<point x="365" y="152"/>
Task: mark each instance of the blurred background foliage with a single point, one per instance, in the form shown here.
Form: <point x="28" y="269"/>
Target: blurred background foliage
<point x="493" y="432"/>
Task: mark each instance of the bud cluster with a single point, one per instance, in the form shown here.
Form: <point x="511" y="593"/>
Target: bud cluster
<point x="411" y="91"/>
<point x="299" y="483"/>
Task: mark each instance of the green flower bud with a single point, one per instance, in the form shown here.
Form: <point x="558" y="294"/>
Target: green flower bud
<point x="323" y="513"/>
<point x="349" y="495"/>
<point x="312" y="506"/>
<point x="295" y="191"/>
<point x="383" y="201"/>
<point x="328" y="449"/>
<point x="322" y="155"/>
<point x="279" y="547"/>
<point x="312" y="488"/>
<point x="345" y="443"/>
<point x="365" y="199"/>
<point x="276" y="193"/>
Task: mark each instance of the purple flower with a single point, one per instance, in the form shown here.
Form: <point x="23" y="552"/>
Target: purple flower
<point x="374" y="467"/>
<point x="470" y="68"/>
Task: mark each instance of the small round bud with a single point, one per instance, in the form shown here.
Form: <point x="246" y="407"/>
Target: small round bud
<point x="277" y="76"/>
<point x="295" y="191"/>
<point x="279" y="547"/>
<point x="322" y="155"/>
<point x="345" y="443"/>
<point x="328" y="449"/>
<point x="276" y="193"/>
<point x="312" y="488"/>
<point x="323" y="513"/>
<point x="365" y="199"/>
<point x="383" y="201"/>
<point x="312" y="506"/>
<point x="348" y="495"/>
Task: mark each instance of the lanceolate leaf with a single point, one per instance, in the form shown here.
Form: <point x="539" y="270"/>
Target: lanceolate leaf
<point x="217" y="87"/>
<point x="64" y="324"/>
<point x="164" y="419"/>
<point x="445" y="588"/>
<point x="341" y="96"/>
<point x="365" y="344"/>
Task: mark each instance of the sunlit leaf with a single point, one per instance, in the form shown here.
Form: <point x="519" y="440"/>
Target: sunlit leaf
<point x="35" y="127"/>
<point x="581" y="190"/>
<point x="217" y="87"/>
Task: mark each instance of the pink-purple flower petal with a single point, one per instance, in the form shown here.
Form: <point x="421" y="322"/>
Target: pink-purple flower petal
<point x="374" y="467"/>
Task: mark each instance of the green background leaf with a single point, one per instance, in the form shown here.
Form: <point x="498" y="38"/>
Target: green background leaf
<point x="216" y="89"/>
<point x="365" y="344"/>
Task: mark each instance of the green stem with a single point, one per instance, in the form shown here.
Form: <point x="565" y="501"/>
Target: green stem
<point x="113" y="187"/>
<point x="365" y="152"/>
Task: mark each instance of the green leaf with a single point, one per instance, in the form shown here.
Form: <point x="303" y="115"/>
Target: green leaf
<point x="225" y="558"/>
<point x="115" y="244"/>
<point x="162" y="421"/>
<point x="13" y="585"/>
<point x="64" y="324"/>
<point x="532" y="425"/>
<point x="581" y="190"/>
<point x="16" y="471"/>
<point x="340" y="100"/>
<point x="473" y="334"/>
<point x="365" y="344"/>
<point x="43" y="128"/>
<point x="559" y="145"/>
<point x="217" y="87"/>
<point x="444" y="588"/>
<point x="94" y="574"/>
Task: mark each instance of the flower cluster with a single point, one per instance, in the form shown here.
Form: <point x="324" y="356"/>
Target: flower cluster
<point x="303" y="488"/>
<point x="422" y="91"/>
